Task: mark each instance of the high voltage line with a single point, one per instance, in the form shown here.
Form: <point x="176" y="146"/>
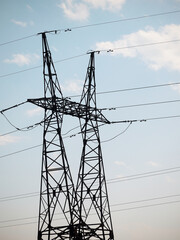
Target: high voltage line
<point x="94" y="25"/>
<point x="118" y="210"/>
<point x="29" y="128"/>
<point x="114" y="122"/>
<point x="133" y="89"/>
<point x="112" y="205"/>
<point x="113" y="91"/>
<point x="109" y="181"/>
<point x="98" y="51"/>
<point x="28" y="69"/>
<point x="141" y="104"/>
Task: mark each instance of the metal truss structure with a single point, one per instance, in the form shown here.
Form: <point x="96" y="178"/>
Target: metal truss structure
<point x="91" y="188"/>
<point x="84" y="209"/>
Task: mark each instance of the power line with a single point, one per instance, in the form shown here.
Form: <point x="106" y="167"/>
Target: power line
<point x="28" y="128"/>
<point x="141" y="104"/>
<point x="110" y="139"/>
<point x="113" y="122"/>
<point x="143" y="175"/>
<point x="112" y="180"/>
<point x="112" y="205"/>
<point x="138" y="45"/>
<point x="133" y="89"/>
<point x="18" y="39"/>
<point x="161" y="170"/>
<point x="146" y="119"/>
<point x="146" y="206"/>
<point x="39" y="66"/>
<point x="136" y="120"/>
<point x="111" y="22"/>
<point x="95" y="25"/>
<point x="118" y="210"/>
<point x="24" y="129"/>
<point x="104" y="50"/>
<point x="120" y="90"/>
<point x="145" y="200"/>
<point x="39" y="145"/>
<point x="123" y="20"/>
<point x="19" y="196"/>
<point x="14" y="106"/>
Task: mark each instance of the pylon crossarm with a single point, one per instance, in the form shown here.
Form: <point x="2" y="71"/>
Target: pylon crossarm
<point x="68" y="107"/>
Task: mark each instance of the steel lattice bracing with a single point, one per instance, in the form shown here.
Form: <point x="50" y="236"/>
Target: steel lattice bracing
<point x="57" y="189"/>
<point x="85" y="211"/>
<point x="91" y="185"/>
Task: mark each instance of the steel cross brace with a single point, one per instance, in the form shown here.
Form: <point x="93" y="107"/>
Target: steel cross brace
<point x="67" y="107"/>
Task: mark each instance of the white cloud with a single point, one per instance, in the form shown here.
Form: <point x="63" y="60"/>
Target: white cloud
<point x="110" y="5"/>
<point x="154" y="164"/>
<point x="176" y="88"/>
<point x="170" y="179"/>
<point x="22" y="24"/>
<point x="80" y="10"/>
<point x="75" y="11"/>
<point x="54" y="49"/>
<point x="74" y="86"/>
<point x="23" y="59"/>
<point x="29" y="7"/>
<point x="31" y="23"/>
<point x="4" y="140"/>
<point x="34" y="112"/>
<point x="155" y="56"/>
<point x="120" y="176"/>
<point x="19" y="23"/>
<point x="120" y="163"/>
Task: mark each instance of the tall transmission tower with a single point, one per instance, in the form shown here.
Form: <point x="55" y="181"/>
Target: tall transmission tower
<point x="91" y="185"/>
<point x="57" y="189"/>
<point x="85" y="208"/>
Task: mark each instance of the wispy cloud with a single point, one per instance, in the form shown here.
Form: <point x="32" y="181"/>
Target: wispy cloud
<point x="109" y="5"/>
<point x="34" y="112"/>
<point x="176" y="88"/>
<point x="54" y="49"/>
<point x="74" y="11"/>
<point x="120" y="163"/>
<point x="73" y="86"/>
<point x="80" y="10"/>
<point x="29" y="7"/>
<point x="4" y="140"/>
<point x="22" y="24"/>
<point x="155" y="57"/>
<point x="19" y="23"/>
<point x="23" y="59"/>
<point x="170" y="179"/>
<point x="153" y="164"/>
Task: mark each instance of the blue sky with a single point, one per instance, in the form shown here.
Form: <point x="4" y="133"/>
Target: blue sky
<point x="150" y="146"/>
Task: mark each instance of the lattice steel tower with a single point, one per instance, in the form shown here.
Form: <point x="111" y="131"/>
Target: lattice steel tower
<point x="84" y="209"/>
<point x="91" y="185"/>
<point x="57" y="189"/>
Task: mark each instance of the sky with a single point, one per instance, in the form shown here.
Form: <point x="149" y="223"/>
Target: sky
<point x="139" y="44"/>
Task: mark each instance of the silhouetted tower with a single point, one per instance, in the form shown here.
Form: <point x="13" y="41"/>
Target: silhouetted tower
<point x="57" y="189"/>
<point x="84" y="212"/>
<point x="91" y="188"/>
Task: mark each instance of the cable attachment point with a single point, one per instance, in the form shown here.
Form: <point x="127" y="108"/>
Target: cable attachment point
<point x="68" y="30"/>
<point x="110" y="50"/>
<point x="92" y="51"/>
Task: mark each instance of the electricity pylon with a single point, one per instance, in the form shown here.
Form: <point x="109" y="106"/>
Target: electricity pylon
<point x="91" y="188"/>
<point x="57" y="189"/>
<point x="84" y="211"/>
